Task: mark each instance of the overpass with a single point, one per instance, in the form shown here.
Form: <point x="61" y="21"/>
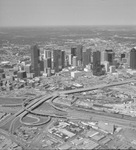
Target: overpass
<point x="95" y="87"/>
<point x="38" y="101"/>
<point x="31" y="106"/>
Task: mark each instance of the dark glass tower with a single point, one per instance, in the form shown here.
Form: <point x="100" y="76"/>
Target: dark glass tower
<point x="35" y="62"/>
<point x="111" y="56"/>
<point x="57" y="60"/>
<point x="85" y="62"/>
<point x="133" y="58"/>
<point x="73" y="51"/>
<point x="96" y="63"/>
<point x="79" y="52"/>
<point x="96" y="58"/>
<point x="63" y="58"/>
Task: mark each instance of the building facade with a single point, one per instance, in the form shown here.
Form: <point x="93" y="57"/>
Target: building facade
<point x="35" y="62"/>
<point x="133" y="58"/>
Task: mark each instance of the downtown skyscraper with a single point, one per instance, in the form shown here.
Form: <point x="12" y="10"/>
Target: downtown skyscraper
<point x="133" y="58"/>
<point x="86" y="57"/>
<point x="35" y="62"/>
<point x="57" y="60"/>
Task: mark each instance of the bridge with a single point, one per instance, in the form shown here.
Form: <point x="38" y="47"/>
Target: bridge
<point x="38" y="101"/>
<point x="95" y="87"/>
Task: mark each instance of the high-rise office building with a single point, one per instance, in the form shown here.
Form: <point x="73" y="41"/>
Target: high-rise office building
<point x="96" y="58"/>
<point x="89" y="52"/>
<point x="67" y="60"/>
<point x="86" y="57"/>
<point x="60" y="60"/>
<point x="110" y="56"/>
<point x="47" y="63"/>
<point x="104" y="56"/>
<point x="73" y="51"/>
<point x="35" y="62"/>
<point x="133" y="58"/>
<point x="63" y="58"/>
<point x="96" y="63"/>
<point x="85" y="61"/>
<point x="57" y="60"/>
<point x="79" y="52"/>
<point x="70" y="59"/>
<point x="47" y="54"/>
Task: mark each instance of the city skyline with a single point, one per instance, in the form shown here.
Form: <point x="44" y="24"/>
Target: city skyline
<point x="67" y="12"/>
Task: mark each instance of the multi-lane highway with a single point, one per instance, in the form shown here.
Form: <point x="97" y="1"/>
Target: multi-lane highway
<point x="31" y="106"/>
<point x="96" y="87"/>
<point x="38" y="101"/>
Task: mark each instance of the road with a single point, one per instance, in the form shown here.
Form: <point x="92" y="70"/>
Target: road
<point x="31" y="106"/>
<point x="95" y="87"/>
<point x="36" y="102"/>
<point x="84" y="115"/>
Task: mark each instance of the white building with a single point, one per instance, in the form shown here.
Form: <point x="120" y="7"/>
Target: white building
<point x="106" y="64"/>
<point x="76" y="74"/>
<point x="112" y="69"/>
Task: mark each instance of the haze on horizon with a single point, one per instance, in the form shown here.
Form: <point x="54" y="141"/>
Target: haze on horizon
<point x="67" y="12"/>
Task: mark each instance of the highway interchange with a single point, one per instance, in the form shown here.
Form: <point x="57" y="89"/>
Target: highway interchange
<point x="67" y="113"/>
<point x="72" y="113"/>
<point x="38" y="101"/>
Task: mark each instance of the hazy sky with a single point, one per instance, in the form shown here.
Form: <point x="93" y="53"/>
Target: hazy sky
<point x="67" y="12"/>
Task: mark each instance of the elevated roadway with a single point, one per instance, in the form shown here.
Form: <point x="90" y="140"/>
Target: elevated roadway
<point x="95" y="87"/>
<point x="36" y="102"/>
<point x="31" y="106"/>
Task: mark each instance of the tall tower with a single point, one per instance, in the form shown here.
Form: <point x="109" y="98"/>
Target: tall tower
<point x="110" y="56"/>
<point x="35" y="62"/>
<point x="57" y="60"/>
<point x="70" y="59"/>
<point x="89" y="52"/>
<point x="104" y="56"/>
<point x="86" y="57"/>
<point x="96" y="63"/>
<point x="79" y="52"/>
<point x="73" y="51"/>
<point x="96" y="58"/>
<point x="133" y="58"/>
<point x="47" y="54"/>
<point x="63" y="58"/>
<point x="47" y="63"/>
<point x="47" y="60"/>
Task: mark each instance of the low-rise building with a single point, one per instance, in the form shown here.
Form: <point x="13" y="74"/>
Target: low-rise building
<point x="75" y="74"/>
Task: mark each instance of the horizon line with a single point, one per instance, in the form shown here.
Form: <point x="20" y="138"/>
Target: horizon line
<point x="66" y="25"/>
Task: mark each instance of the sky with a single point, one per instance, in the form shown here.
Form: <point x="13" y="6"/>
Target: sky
<point x="67" y="12"/>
